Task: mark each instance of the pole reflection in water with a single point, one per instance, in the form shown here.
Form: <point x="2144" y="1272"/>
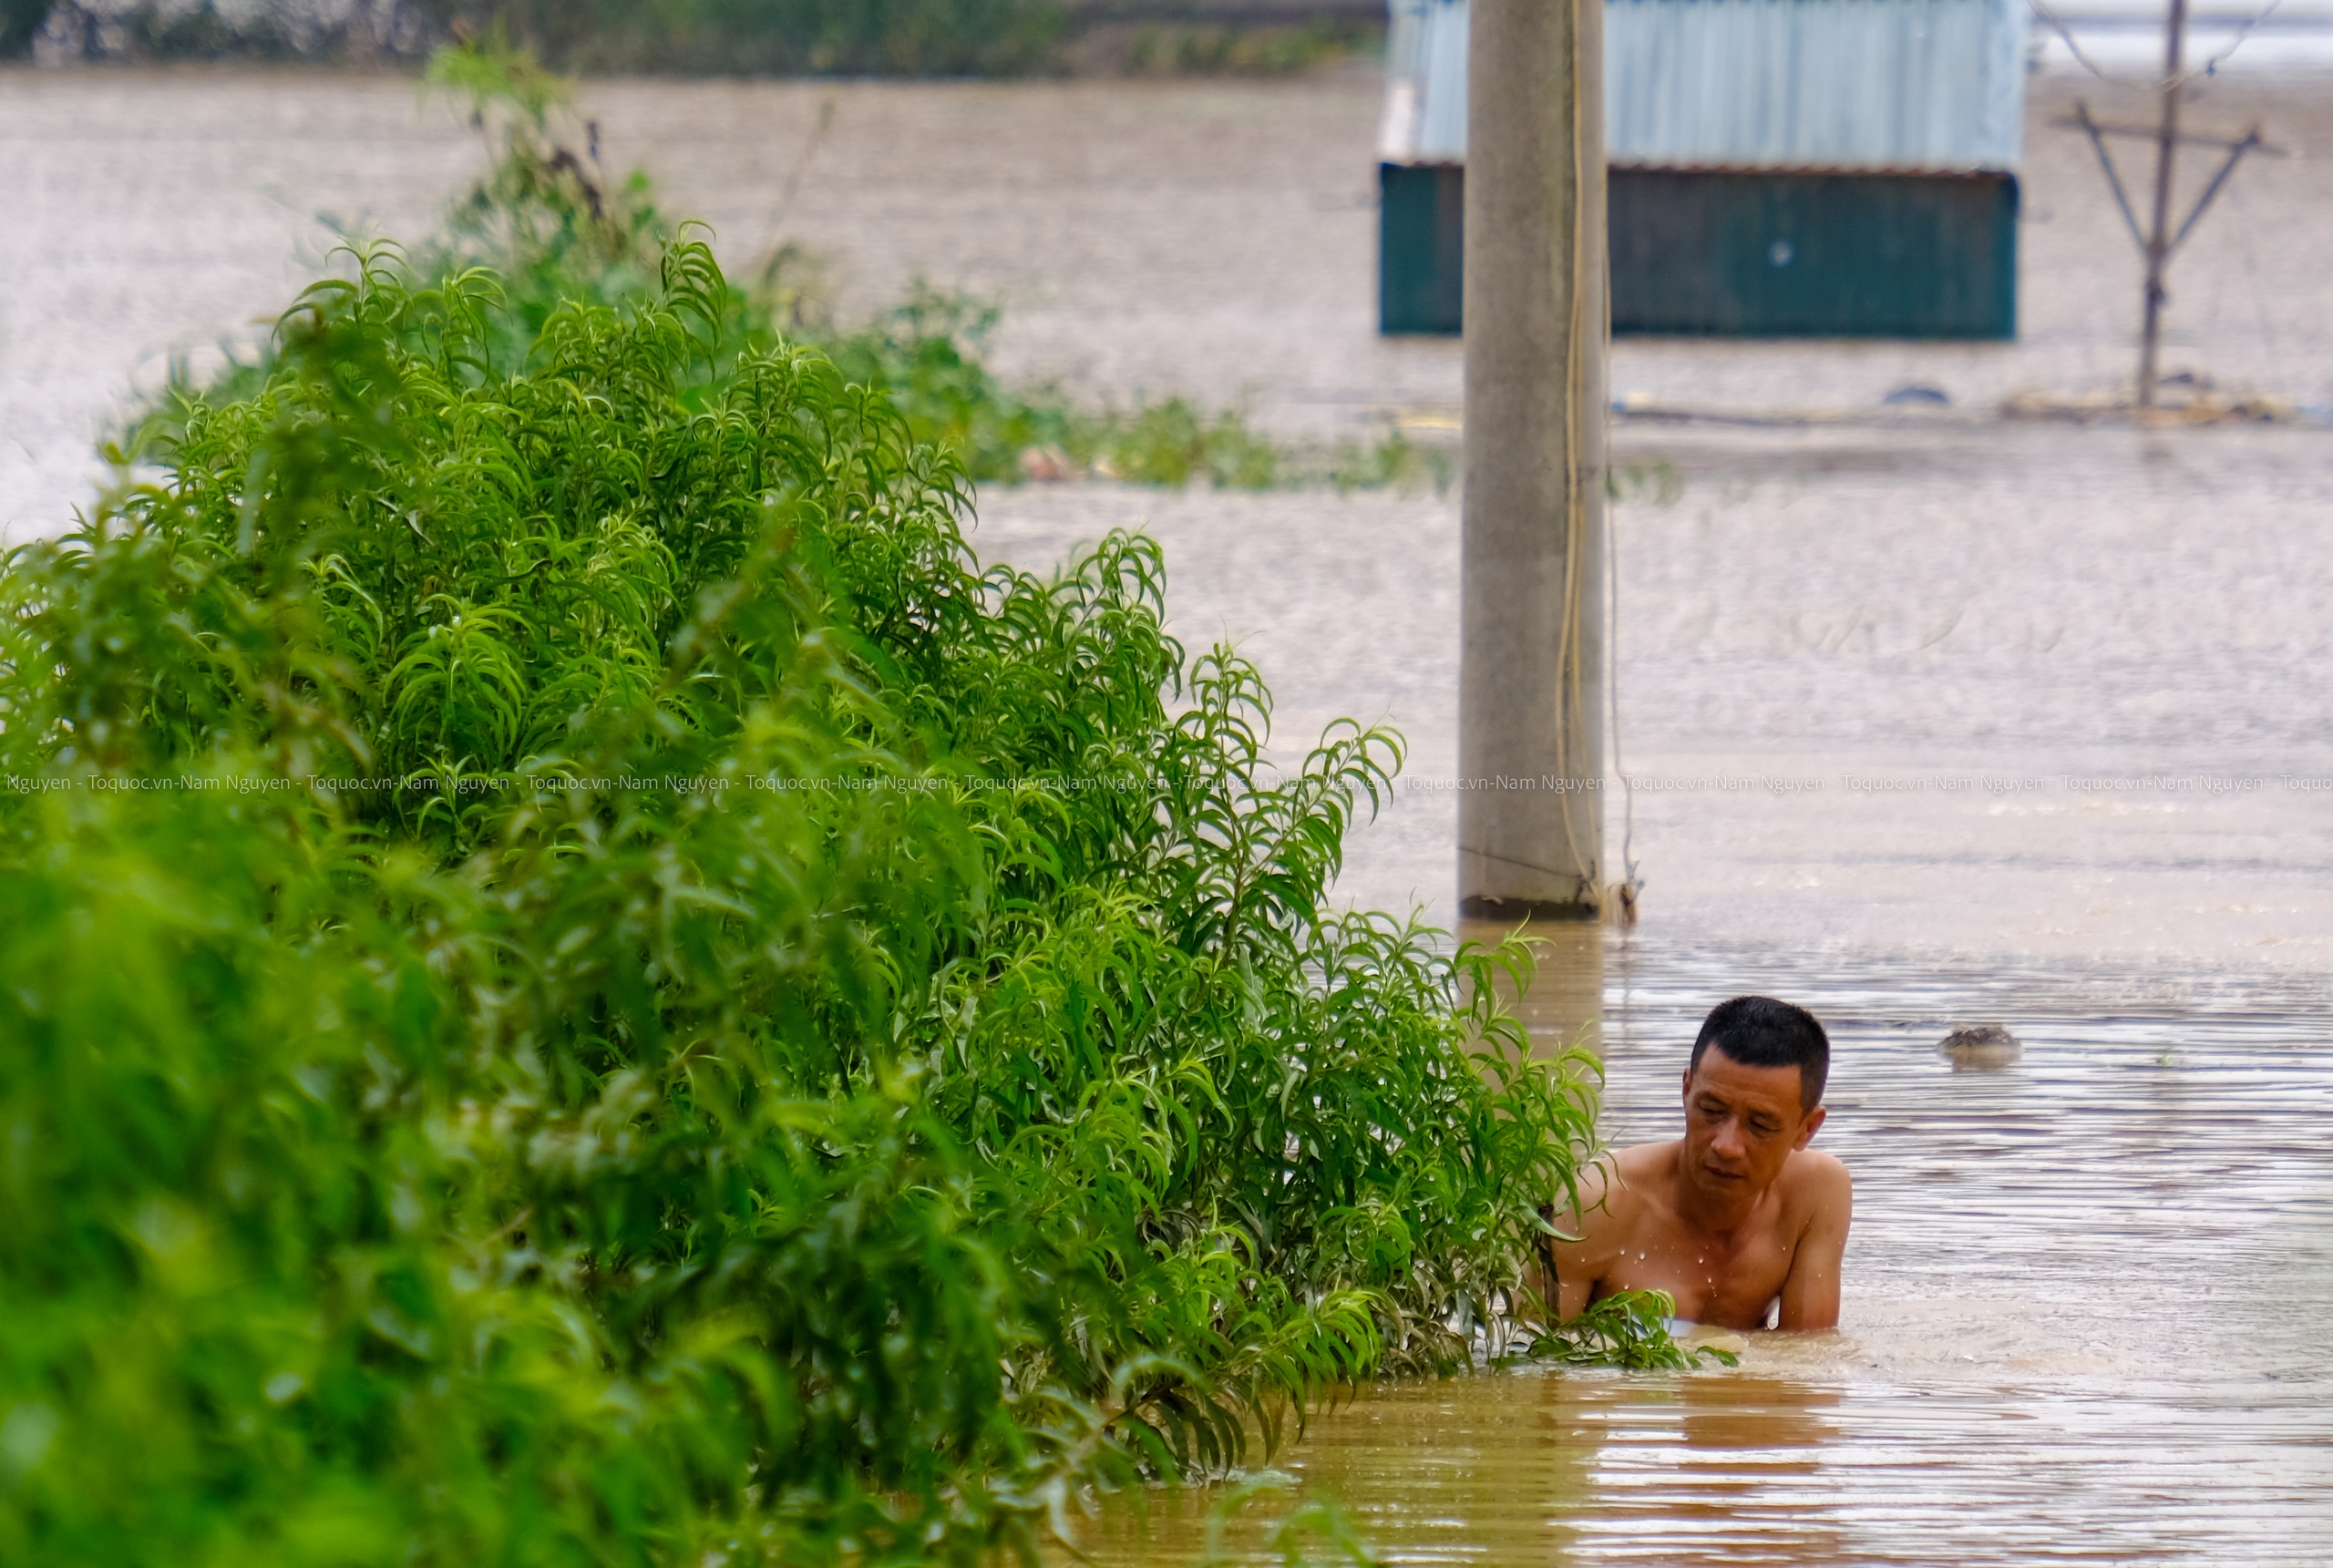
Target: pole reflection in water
<point x="1705" y="1469"/>
<point x="2083" y="1314"/>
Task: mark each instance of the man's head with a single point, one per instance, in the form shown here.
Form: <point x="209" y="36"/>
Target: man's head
<point x="1759" y="1031"/>
<point x="1753" y="1092"/>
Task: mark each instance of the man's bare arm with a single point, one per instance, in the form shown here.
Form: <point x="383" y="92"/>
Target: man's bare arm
<point x="1580" y="1265"/>
<point x="1810" y="1290"/>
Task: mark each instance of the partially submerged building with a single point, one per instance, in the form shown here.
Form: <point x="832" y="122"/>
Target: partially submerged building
<point x="1778" y="167"/>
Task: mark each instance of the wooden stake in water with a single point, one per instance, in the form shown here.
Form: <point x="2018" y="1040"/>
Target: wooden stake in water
<point x="1532" y="656"/>
<point x="2159" y="240"/>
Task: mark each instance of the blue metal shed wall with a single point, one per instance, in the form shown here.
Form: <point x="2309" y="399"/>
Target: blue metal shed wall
<point x="1935" y="85"/>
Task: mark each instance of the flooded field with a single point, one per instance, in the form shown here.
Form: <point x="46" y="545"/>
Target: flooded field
<point x="2007" y="691"/>
<point x="1213" y="238"/>
<point x="1930" y="720"/>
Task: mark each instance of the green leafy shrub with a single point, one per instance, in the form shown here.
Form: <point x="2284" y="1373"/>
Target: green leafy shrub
<point x="1629" y="1329"/>
<point x="557" y="228"/>
<point x="928" y="356"/>
<point x="585" y="986"/>
<point x="725" y="37"/>
<point x="1259" y="49"/>
<point x="710" y="37"/>
<point x="788" y="37"/>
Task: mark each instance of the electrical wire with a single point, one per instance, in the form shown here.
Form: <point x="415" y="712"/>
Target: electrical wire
<point x="1631" y="883"/>
<point x="2051" y="20"/>
<point x="2057" y="25"/>
<point x="2235" y="43"/>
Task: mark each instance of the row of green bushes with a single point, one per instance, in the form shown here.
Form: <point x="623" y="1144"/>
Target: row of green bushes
<point x="877" y="37"/>
<point x="559" y="226"/>
<point x="584" y="986"/>
<point x="873" y="38"/>
<point x="725" y="37"/>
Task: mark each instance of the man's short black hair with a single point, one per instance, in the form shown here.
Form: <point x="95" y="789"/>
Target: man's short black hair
<point x="1759" y="1031"/>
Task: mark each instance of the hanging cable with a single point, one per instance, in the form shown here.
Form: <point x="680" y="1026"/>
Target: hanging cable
<point x="1631" y="884"/>
<point x="2057" y="25"/>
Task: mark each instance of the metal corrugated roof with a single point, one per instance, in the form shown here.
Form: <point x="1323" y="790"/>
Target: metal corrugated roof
<point x="1771" y="83"/>
<point x="1426" y="83"/>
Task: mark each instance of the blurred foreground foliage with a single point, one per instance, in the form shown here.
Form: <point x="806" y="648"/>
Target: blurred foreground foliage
<point x="582" y="985"/>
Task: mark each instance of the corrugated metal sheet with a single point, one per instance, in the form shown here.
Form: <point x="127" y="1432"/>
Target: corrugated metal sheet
<point x="1783" y="84"/>
<point x="1755" y="84"/>
<point x="1426" y="83"/>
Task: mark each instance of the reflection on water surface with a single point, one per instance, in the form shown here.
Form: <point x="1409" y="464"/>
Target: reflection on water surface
<point x="2085" y="1314"/>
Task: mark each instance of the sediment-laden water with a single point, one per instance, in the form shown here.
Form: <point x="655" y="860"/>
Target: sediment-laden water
<point x="1215" y="239"/>
<point x="2084" y="1317"/>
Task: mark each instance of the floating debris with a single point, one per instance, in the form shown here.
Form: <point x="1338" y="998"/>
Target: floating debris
<point x="1983" y="1048"/>
<point x="2187" y="399"/>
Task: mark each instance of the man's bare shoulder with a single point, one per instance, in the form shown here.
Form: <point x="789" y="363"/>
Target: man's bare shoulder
<point x="1643" y="1167"/>
<point x="1816" y="1183"/>
<point x="1612" y="1191"/>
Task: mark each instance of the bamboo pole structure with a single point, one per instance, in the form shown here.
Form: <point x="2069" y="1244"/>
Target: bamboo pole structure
<point x="1532" y="654"/>
<point x="2159" y="240"/>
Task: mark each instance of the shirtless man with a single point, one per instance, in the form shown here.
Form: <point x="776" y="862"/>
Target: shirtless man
<point x="1739" y="1212"/>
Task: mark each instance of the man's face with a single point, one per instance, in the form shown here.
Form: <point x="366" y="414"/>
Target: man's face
<point x="1741" y="1124"/>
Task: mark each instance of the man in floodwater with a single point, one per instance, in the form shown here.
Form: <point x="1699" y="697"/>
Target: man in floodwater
<point x="1737" y="1213"/>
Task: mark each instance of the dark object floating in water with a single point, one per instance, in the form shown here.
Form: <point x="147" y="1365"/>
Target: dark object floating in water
<point x="1926" y="396"/>
<point x="1983" y="1049"/>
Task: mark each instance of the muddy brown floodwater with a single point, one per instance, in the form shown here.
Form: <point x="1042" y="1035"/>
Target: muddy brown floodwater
<point x="1931" y="720"/>
<point x="2085" y="1315"/>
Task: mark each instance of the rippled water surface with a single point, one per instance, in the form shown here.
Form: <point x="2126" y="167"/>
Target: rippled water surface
<point x="2086" y="1315"/>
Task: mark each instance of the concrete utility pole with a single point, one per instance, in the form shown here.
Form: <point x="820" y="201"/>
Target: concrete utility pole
<point x="2159" y="240"/>
<point x="1531" y="661"/>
